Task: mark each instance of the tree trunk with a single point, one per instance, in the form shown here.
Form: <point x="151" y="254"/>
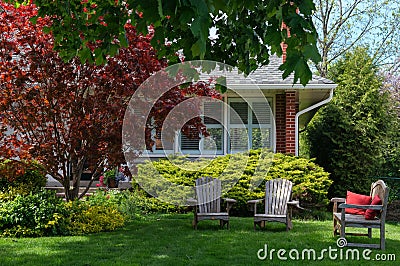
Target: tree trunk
<point x="72" y="192"/>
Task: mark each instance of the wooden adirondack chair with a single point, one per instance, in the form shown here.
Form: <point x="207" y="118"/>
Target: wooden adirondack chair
<point x="208" y="202"/>
<point x="278" y="204"/>
<point x="341" y="219"/>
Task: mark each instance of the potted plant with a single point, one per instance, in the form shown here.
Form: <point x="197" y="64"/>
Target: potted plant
<point x="110" y="178"/>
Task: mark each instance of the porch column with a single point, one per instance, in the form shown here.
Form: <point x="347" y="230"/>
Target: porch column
<point x="280" y="123"/>
<point x="290" y="127"/>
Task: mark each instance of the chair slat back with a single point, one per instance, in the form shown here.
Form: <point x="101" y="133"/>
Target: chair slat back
<point x="379" y="188"/>
<point x="277" y="194"/>
<point x="208" y="193"/>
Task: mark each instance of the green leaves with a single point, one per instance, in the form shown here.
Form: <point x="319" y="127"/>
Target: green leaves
<point x="85" y="55"/>
<point x="221" y="84"/>
<point x="247" y="30"/>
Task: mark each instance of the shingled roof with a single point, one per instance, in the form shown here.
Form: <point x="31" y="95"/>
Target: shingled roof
<point x="270" y="76"/>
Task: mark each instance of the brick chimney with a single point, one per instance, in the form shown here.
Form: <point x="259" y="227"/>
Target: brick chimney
<point x="284" y="45"/>
<point x="287" y="107"/>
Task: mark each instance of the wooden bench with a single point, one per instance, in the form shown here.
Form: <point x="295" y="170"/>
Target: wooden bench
<point x="341" y="219"/>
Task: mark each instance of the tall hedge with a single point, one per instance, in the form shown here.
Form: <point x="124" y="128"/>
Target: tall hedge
<point x="348" y="137"/>
<point x="310" y="181"/>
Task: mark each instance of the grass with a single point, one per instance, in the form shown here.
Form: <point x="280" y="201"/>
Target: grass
<point x="170" y="240"/>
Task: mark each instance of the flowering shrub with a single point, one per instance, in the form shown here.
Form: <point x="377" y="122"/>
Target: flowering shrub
<point x="101" y="182"/>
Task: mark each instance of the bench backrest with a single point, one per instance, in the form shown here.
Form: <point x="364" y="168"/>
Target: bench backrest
<point x="277" y="194"/>
<point x="208" y="193"/>
<point x="379" y="188"/>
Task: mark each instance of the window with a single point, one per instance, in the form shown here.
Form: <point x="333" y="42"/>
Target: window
<point x="250" y="125"/>
<point x="213" y="144"/>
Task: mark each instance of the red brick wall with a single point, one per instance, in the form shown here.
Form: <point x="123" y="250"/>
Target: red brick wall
<point x="280" y="123"/>
<point x="291" y="106"/>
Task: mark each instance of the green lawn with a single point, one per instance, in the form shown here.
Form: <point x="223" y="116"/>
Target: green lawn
<point x="170" y="240"/>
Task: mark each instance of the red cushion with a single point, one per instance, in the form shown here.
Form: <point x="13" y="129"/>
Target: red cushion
<point x="369" y="213"/>
<point x="357" y="199"/>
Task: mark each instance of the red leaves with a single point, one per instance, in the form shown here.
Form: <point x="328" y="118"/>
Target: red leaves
<point x="64" y="112"/>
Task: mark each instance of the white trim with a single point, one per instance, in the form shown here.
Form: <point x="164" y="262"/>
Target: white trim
<point x="245" y="87"/>
<point x="225" y="125"/>
<point x="296" y="138"/>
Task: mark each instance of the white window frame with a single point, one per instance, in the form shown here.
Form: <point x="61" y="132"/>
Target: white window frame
<point x="250" y="125"/>
<point x="201" y="149"/>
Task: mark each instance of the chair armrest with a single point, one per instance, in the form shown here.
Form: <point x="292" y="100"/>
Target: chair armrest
<point x="192" y="202"/>
<point x="255" y="201"/>
<point x="229" y="200"/>
<point x="253" y="204"/>
<point x="295" y="203"/>
<point x="372" y="207"/>
<point x="229" y="203"/>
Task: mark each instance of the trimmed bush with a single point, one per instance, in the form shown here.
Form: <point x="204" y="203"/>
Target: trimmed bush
<point x="138" y="204"/>
<point x="310" y="181"/>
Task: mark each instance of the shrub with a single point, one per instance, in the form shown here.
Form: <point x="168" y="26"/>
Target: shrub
<point x="310" y="181"/>
<point x="21" y="177"/>
<point x="85" y="218"/>
<point x="44" y="214"/>
<point x="106" y="198"/>
<point x="39" y="214"/>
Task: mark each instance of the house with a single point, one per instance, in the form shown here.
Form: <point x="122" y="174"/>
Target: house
<point x="244" y="120"/>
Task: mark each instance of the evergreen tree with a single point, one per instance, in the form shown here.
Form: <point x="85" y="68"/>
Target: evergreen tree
<point x="349" y="135"/>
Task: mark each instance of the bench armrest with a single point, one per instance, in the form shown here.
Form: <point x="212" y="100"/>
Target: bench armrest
<point x="338" y="200"/>
<point x="372" y="207"/>
<point x="335" y="203"/>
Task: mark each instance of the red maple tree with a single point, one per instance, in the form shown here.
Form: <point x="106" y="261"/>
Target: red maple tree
<point x="69" y="115"/>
